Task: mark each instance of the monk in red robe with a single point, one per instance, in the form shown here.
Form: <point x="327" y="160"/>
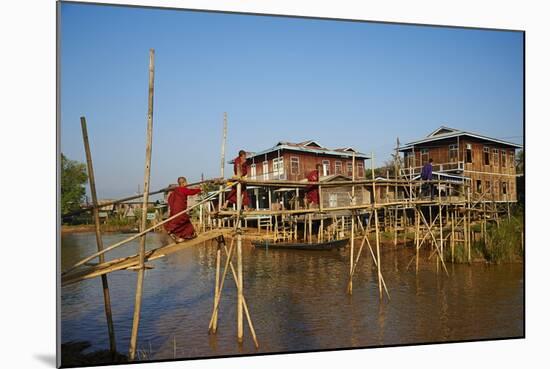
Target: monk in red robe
<point x="180" y="228"/>
<point x="240" y="169"/>
<point x="312" y="191"/>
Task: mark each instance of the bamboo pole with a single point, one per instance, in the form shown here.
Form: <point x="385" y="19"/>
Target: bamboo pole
<point x="148" y="149"/>
<point x="222" y="282"/>
<point x="469" y="227"/>
<point x="377" y="231"/>
<point x="222" y="163"/>
<point x="141" y="233"/>
<point x="128" y="198"/>
<point x="310" y="225"/>
<point x="452" y="237"/>
<point x="352" y="240"/>
<point x="99" y="240"/>
<point x="245" y="306"/>
<point x="434" y="242"/>
<point x="417" y="223"/>
<point x="217" y="285"/>
<point x="239" y="269"/>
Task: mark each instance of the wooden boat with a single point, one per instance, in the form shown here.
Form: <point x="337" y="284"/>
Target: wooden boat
<point x="327" y="245"/>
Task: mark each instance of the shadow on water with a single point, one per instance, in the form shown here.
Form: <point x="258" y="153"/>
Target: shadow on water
<point x="297" y="300"/>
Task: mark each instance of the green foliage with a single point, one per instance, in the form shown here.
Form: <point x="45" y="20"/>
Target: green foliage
<point x="73" y="179"/>
<point x="504" y="242"/>
<point x="520" y="161"/>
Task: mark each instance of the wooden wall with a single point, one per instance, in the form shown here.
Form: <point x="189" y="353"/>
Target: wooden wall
<point x="496" y="175"/>
<point x="306" y="163"/>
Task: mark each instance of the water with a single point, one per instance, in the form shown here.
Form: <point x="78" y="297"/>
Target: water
<point x="297" y="301"/>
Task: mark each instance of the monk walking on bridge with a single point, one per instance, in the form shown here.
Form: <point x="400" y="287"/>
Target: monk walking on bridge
<point x="180" y="228"/>
<point x="240" y="168"/>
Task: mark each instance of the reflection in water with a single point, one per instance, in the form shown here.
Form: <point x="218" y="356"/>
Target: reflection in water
<point x="297" y="301"/>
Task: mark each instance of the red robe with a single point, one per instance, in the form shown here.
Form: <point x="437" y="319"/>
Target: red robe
<point x="232" y="197"/>
<point x="312" y="191"/>
<point x="181" y="225"/>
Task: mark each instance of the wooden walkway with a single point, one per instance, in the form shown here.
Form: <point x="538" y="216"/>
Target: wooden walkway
<point x="132" y="261"/>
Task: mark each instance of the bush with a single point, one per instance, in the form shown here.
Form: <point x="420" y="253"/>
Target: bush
<point x="504" y="243"/>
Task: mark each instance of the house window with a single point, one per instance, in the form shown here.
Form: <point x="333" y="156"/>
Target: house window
<point x="495" y="157"/>
<point x="338" y="167"/>
<point x="360" y="171"/>
<point x="486" y="156"/>
<point x="495" y="188"/>
<point x="350" y="169"/>
<point x="468" y="153"/>
<point x="512" y="159"/>
<point x="294" y="165"/>
<point x="253" y="171"/>
<point x="504" y="188"/>
<point x="278" y="167"/>
<point x="453" y="153"/>
<point x="478" y="186"/>
<point x="487" y="186"/>
<point x="424" y="156"/>
<point x="326" y="167"/>
<point x="332" y="200"/>
<point x="409" y="159"/>
<point x="503" y="158"/>
<point x="265" y="170"/>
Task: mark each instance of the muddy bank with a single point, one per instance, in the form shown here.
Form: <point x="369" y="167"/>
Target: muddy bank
<point x="73" y="355"/>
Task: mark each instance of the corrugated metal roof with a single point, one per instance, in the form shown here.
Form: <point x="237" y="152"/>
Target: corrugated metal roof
<point x="303" y="147"/>
<point x="434" y="136"/>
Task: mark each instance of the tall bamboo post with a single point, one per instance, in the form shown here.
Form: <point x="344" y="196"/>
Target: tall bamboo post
<point x="404" y="225"/>
<point x="440" y="221"/>
<point x="217" y="285"/>
<point x="99" y="240"/>
<point x="417" y="223"/>
<point x="148" y="149"/>
<point x="239" y="267"/>
<point x="352" y="240"/>
<point x="222" y="163"/>
<point x="310" y="227"/>
<point x="469" y="226"/>
<point x="377" y="231"/>
<point x="452" y="236"/>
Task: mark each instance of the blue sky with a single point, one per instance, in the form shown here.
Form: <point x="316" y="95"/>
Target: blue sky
<point x="341" y="83"/>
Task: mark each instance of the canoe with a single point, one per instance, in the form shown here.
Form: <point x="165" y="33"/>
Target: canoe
<point x="327" y="245"/>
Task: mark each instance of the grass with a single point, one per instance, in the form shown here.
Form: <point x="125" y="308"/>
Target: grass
<point x="503" y="243"/>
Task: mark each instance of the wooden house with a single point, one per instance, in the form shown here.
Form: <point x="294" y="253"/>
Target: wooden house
<point x="293" y="161"/>
<point x="488" y="163"/>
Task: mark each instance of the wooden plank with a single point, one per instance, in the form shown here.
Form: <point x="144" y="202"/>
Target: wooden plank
<point x="133" y="260"/>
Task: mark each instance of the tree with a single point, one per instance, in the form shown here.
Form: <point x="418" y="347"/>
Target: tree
<point x="73" y="179"/>
<point x="520" y="164"/>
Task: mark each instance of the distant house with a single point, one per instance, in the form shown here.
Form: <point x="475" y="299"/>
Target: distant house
<point x="293" y="161"/>
<point x="489" y="163"/>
